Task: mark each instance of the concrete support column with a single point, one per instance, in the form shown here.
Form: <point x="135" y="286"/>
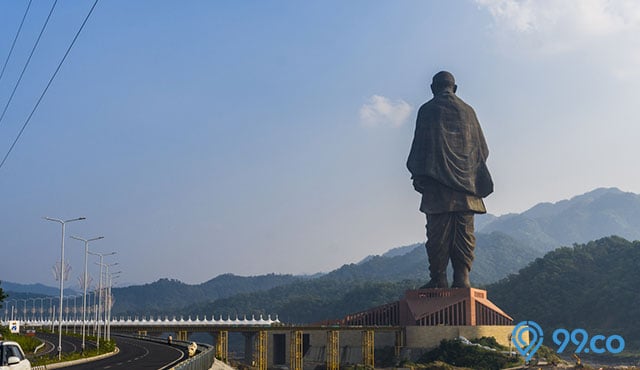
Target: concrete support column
<point x="368" y="348"/>
<point x="399" y="343"/>
<point x="262" y="350"/>
<point x="295" y="348"/>
<point x="333" y="350"/>
<point x="182" y="335"/>
<point x="222" y="345"/>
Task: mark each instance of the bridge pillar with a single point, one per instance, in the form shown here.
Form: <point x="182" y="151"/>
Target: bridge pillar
<point x="333" y="350"/>
<point x="368" y="348"/>
<point x="249" y="338"/>
<point x="222" y="345"/>
<point x="262" y="350"/>
<point x="295" y="355"/>
<point x="182" y="335"/>
<point x="399" y="343"/>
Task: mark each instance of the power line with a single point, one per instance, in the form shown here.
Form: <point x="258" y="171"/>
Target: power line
<point x="26" y="122"/>
<point x="15" y="87"/>
<point x="14" y="40"/>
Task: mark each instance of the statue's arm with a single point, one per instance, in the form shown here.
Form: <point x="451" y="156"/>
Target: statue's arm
<point x="416" y="163"/>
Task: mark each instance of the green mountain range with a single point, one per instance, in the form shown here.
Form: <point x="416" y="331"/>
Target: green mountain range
<point x="505" y="245"/>
<point x="596" y="214"/>
<point x="170" y="295"/>
<point x="593" y="286"/>
<point x="497" y="256"/>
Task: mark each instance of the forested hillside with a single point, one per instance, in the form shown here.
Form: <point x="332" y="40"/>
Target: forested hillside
<point x="497" y="255"/>
<point x="168" y="295"/>
<point x="592" y="286"/>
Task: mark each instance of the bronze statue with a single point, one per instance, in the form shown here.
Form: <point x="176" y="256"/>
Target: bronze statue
<point x="448" y="167"/>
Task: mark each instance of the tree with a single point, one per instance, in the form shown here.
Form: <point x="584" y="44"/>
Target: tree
<point x="2" y="295"/>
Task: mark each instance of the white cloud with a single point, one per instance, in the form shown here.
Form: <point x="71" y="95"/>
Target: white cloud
<point x="382" y="111"/>
<point x="552" y="26"/>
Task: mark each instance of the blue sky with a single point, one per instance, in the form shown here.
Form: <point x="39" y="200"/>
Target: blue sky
<point x="251" y="137"/>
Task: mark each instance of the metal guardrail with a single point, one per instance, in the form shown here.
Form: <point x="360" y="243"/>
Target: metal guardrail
<point x="202" y="360"/>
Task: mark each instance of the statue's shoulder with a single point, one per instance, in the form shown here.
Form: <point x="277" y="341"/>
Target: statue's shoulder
<point x="463" y="103"/>
<point x="429" y="105"/>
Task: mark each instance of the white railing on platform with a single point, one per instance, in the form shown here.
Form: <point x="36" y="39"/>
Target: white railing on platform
<point x="159" y="321"/>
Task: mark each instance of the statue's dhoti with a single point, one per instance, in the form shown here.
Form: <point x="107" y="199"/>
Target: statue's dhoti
<point x="450" y="236"/>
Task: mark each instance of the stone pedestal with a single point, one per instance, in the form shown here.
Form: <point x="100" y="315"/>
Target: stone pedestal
<point x="452" y="307"/>
<point x="433" y="307"/>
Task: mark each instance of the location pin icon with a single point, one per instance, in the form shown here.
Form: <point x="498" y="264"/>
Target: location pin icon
<point x="529" y="346"/>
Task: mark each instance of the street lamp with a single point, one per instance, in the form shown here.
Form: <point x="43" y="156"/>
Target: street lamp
<point x="84" y="299"/>
<point x="91" y="307"/>
<point x="61" y="222"/>
<point x="110" y="276"/>
<point x="50" y="312"/>
<point x="33" y="309"/>
<point x="13" y="307"/>
<point x="99" y="313"/>
<point x="41" y="307"/>
<point x="107" y="296"/>
<point x="24" y="308"/>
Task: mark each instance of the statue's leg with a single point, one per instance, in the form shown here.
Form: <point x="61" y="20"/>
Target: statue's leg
<point x="462" y="247"/>
<point x="439" y="231"/>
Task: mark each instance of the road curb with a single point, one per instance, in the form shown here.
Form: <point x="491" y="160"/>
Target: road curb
<point x="60" y="365"/>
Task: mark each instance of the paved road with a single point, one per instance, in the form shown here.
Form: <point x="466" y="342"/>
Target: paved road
<point x="69" y="344"/>
<point x="137" y="354"/>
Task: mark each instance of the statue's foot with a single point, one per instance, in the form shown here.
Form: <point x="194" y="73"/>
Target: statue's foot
<point x="436" y="283"/>
<point x="461" y="284"/>
<point x="461" y="279"/>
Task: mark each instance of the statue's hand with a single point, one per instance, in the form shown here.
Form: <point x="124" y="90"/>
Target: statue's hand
<point x="418" y="184"/>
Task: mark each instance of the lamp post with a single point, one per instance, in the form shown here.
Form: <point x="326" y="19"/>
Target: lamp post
<point x="13" y="307"/>
<point x="63" y="223"/>
<point x="24" y="308"/>
<point x="99" y="312"/>
<point x="107" y="295"/>
<point x="41" y="307"/>
<point x="90" y="305"/>
<point x="111" y="276"/>
<point x="33" y="309"/>
<point x="85" y="283"/>
<point x="66" y="314"/>
<point x="50" y="313"/>
<point x="6" y="310"/>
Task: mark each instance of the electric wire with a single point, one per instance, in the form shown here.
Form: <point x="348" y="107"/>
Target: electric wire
<point x="33" y="49"/>
<point x="15" y="39"/>
<point x="44" y="92"/>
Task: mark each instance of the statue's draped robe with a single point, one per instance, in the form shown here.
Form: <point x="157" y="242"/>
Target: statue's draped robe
<point x="449" y="146"/>
<point x="448" y="163"/>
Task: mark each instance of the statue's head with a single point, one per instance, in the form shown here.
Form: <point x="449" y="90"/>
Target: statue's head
<point x="442" y="81"/>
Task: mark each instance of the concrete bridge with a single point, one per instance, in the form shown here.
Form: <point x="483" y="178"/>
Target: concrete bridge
<point x="404" y="329"/>
<point x="267" y="342"/>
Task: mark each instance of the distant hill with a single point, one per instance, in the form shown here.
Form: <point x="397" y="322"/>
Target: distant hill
<point x="497" y="255"/>
<point x="350" y="288"/>
<point x="505" y="244"/>
<point x="596" y="214"/>
<point x="393" y="252"/>
<point x="35" y="289"/>
<point x="593" y="286"/>
<point x="169" y="295"/>
<point x="307" y="301"/>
